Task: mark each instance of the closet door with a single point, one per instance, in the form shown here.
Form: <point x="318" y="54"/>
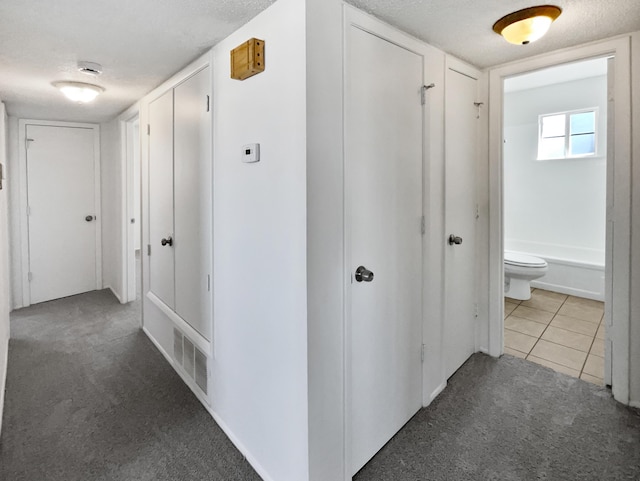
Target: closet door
<point x="192" y="167"/>
<point x="161" y="261"/>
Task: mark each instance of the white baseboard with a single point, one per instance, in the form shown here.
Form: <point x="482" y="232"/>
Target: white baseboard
<point x="227" y="431"/>
<point x="634" y="404"/>
<point x="115" y="294"/>
<point x="3" y="382"/>
<point x="436" y="392"/>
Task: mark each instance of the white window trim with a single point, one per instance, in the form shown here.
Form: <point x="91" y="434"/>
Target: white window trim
<point x="567" y="135"/>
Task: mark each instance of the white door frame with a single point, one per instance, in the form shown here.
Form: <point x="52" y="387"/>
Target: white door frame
<point x="356" y="18"/>
<point x="128" y="260"/>
<point x="24" y="221"/>
<point x="617" y="314"/>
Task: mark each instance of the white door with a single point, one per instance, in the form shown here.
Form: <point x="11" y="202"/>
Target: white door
<point x="192" y="167"/>
<point x="383" y="187"/>
<point x="61" y="182"/>
<point x="161" y="261"/>
<point x="460" y="219"/>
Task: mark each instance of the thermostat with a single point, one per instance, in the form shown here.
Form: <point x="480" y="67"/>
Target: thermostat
<point x="251" y="153"/>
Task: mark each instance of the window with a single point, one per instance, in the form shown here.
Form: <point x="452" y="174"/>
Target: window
<point x="567" y="135"/>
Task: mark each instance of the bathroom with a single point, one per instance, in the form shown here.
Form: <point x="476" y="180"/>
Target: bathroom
<point x="555" y="220"/>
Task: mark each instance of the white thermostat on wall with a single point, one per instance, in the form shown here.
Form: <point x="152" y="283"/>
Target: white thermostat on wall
<point x="251" y="153"/>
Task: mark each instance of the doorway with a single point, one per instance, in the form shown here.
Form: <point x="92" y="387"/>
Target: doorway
<point x="133" y="206"/>
<point x="60" y="194"/>
<point x="617" y="275"/>
<point x="555" y="192"/>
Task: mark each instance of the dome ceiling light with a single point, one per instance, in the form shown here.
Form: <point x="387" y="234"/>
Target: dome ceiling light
<point x="79" y="91"/>
<point x="527" y="25"/>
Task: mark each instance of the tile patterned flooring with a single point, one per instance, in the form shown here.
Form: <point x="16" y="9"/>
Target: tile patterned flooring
<point x="565" y="333"/>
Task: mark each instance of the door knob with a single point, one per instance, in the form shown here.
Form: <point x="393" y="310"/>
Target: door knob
<point x="89" y="218"/>
<point x="363" y="274"/>
<point x="454" y="239"/>
<point x="167" y="241"/>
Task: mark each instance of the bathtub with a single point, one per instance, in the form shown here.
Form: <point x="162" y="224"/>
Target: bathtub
<point x="572" y="270"/>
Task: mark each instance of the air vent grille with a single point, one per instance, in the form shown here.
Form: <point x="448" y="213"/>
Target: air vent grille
<point x="177" y="346"/>
<point x="189" y="360"/>
<point x="201" y="371"/>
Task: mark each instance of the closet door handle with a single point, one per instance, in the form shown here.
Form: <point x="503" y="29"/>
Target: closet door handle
<point x="167" y="241"/>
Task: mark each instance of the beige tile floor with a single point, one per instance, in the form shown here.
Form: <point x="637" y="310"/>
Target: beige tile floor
<point x="562" y="332"/>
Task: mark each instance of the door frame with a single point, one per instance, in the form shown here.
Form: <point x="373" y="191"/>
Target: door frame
<point x="357" y="19"/>
<point x="128" y="259"/>
<point x="24" y="220"/>
<point x="618" y="307"/>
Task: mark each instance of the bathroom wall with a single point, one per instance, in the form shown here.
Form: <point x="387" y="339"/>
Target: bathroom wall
<point x="556" y="209"/>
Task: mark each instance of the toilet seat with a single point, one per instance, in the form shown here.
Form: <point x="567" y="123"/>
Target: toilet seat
<point x="523" y="260"/>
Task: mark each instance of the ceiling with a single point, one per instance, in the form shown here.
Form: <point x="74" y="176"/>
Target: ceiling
<point x="141" y="43"/>
<point x="556" y="75"/>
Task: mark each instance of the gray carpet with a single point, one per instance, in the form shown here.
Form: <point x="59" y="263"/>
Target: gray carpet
<point x="89" y="398"/>
<point x="512" y="420"/>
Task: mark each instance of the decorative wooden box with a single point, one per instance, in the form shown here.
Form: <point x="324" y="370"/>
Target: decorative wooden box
<point x="247" y="59"/>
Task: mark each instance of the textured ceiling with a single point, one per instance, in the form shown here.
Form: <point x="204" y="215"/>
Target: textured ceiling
<point x="464" y="27"/>
<point x="140" y="43"/>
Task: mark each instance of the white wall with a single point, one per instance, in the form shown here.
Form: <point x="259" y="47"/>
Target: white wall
<point x="112" y="204"/>
<point x="556" y="207"/>
<point x="260" y="298"/>
<point x="136" y="185"/>
<point x="4" y="260"/>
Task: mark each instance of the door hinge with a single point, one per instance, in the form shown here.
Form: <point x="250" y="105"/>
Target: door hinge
<point x="423" y="226"/>
<point x="477" y="211"/>
<point x="28" y="210"/>
<point x="148" y="129"/>
<point x="208" y="282"/>
<point x="30" y="276"/>
<point x="422" y="353"/>
<point x="208" y="103"/>
<point x="475" y="310"/>
<point x="423" y="93"/>
<point x="26" y="143"/>
<point x="148" y="249"/>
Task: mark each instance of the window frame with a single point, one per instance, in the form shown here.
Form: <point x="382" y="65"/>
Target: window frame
<point x="567" y="135"/>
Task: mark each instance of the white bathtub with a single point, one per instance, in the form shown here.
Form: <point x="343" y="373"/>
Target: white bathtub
<point x="572" y="270"/>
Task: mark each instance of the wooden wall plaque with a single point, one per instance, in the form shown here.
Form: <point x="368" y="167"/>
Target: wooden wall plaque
<point x="247" y="59"/>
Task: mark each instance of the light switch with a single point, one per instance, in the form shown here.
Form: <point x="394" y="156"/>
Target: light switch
<point x="251" y="153"/>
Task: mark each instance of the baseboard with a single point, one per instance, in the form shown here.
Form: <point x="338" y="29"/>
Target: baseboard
<point x="227" y="431"/>
<point x="570" y="291"/>
<point x="436" y="392"/>
<point x="634" y="404"/>
<point x="3" y="383"/>
<point x="115" y="294"/>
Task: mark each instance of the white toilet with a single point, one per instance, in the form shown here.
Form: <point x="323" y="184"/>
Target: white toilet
<point x="519" y="271"/>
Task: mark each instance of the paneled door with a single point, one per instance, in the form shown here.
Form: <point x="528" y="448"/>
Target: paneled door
<point x="383" y="189"/>
<point x="461" y="144"/>
<point x="62" y="211"/>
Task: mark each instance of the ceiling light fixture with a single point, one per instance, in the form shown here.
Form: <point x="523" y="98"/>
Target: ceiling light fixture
<point x="79" y="91"/>
<point x="527" y="25"/>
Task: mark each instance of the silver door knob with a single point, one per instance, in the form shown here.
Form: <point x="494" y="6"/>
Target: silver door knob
<point x="454" y="239"/>
<point x="363" y="274"/>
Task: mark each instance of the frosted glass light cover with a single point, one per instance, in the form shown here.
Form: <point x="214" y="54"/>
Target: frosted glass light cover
<point x="78" y="91"/>
<point x="527" y="30"/>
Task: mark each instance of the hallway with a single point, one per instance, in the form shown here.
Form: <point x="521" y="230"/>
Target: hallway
<point x="89" y="398"/>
